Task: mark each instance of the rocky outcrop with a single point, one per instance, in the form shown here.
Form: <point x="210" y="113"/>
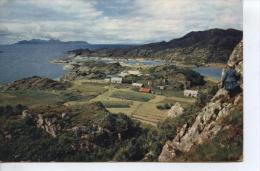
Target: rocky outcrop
<point x="208" y="121"/>
<point x="48" y="124"/>
<point x="57" y="119"/>
<point x="52" y="119"/>
<point x="93" y="70"/>
<point x="36" y="82"/>
<point x="199" y="47"/>
<point x="175" y="110"/>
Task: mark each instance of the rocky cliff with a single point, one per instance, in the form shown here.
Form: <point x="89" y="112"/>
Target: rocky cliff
<point x="198" y="47"/>
<point x="212" y="120"/>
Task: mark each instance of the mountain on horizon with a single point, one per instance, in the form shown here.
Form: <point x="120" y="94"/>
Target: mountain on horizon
<point x="50" y="41"/>
<point x="196" y="47"/>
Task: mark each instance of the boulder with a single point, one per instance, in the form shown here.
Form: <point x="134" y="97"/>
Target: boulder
<point x="175" y="110"/>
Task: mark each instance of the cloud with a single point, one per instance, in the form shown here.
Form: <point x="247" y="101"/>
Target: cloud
<point x="117" y="21"/>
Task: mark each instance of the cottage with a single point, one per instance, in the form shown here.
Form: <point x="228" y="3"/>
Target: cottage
<point x="191" y="93"/>
<point x="145" y="90"/>
<point x="117" y="80"/>
<point x="138" y="85"/>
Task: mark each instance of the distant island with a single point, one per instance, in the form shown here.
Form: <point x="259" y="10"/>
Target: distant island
<point x="50" y="41"/>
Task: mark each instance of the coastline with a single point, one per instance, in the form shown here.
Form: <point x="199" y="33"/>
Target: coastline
<point x="216" y="65"/>
<point x="141" y="60"/>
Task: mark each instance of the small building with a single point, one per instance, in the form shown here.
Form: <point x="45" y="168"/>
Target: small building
<point x="191" y="93"/>
<point x="138" y="85"/>
<point x="117" y="80"/>
<point x="145" y="90"/>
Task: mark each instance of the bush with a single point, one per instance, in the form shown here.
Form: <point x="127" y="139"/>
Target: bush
<point x="205" y="97"/>
<point x="10" y="110"/>
<point x="134" y="150"/>
<point x="165" y="106"/>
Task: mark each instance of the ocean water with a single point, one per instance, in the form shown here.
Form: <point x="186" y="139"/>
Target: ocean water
<point x="19" y="61"/>
<point x="128" y="62"/>
<point x="210" y="72"/>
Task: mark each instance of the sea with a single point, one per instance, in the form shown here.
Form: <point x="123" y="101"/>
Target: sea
<point x="24" y="60"/>
<point x="212" y="72"/>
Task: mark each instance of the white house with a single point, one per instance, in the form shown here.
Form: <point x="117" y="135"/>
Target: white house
<point x="138" y="85"/>
<point x="117" y="80"/>
<point x="191" y="93"/>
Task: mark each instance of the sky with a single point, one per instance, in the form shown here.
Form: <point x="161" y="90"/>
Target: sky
<point x="114" y="21"/>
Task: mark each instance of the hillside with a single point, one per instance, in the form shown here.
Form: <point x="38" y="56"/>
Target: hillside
<point x="36" y="82"/>
<point x="90" y="120"/>
<point x="210" y="46"/>
<point x="216" y="134"/>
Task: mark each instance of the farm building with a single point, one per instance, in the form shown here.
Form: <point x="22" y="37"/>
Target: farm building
<point x="191" y="93"/>
<point x="137" y="85"/>
<point x="117" y="80"/>
<point x="145" y="90"/>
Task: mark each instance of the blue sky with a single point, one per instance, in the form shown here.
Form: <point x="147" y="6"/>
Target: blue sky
<point x="114" y="21"/>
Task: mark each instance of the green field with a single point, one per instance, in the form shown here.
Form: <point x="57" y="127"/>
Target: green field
<point x="29" y="97"/>
<point x="116" y="103"/>
<point x="131" y="95"/>
<point x="89" y="88"/>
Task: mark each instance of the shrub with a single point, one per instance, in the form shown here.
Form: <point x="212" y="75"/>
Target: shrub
<point x="205" y="97"/>
<point x="165" y="106"/>
<point x="10" y="110"/>
<point x="134" y="150"/>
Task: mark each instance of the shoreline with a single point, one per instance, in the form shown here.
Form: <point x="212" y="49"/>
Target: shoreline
<point x="120" y="59"/>
<point x="216" y="65"/>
